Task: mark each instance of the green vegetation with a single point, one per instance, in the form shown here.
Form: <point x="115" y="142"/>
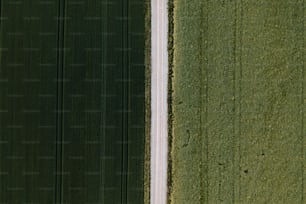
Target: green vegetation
<point x="72" y="101"/>
<point x="238" y="102"/>
<point x="147" y="102"/>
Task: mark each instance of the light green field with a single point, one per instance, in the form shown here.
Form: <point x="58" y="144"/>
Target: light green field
<point x="238" y="132"/>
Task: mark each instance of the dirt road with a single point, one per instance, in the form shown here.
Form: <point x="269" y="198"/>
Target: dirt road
<point x="159" y="116"/>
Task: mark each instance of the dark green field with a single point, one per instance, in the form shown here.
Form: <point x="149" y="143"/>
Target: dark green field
<point x="72" y="101"/>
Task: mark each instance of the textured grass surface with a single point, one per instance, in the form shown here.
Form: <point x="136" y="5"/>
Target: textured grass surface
<point x="238" y="102"/>
<point x="72" y="101"/>
<point x="147" y="147"/>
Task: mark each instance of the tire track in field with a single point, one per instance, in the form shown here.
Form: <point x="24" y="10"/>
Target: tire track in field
<point x="59" y="104"/>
